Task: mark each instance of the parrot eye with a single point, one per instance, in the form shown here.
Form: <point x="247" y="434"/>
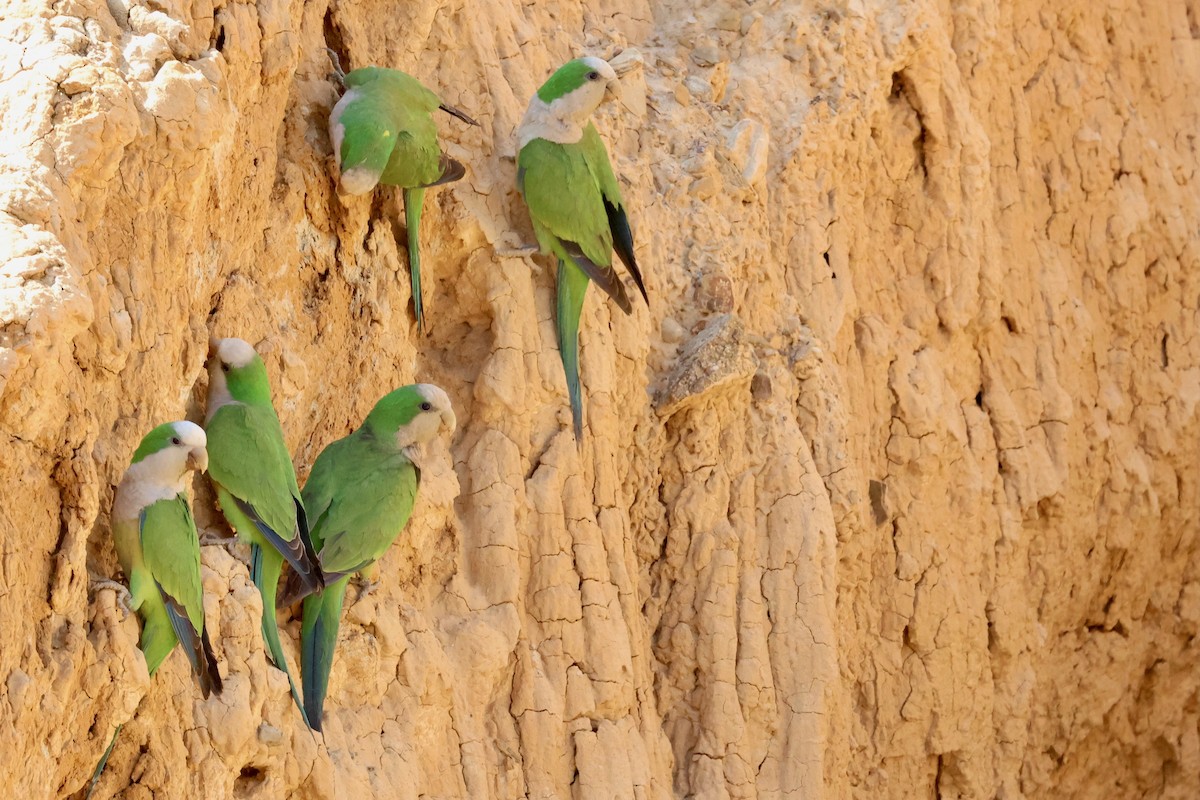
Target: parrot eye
<point x="426" y="405"/>
<point x="224" y="368"/>
<point x="591" y="76"/>
<point x="175" y="440"/>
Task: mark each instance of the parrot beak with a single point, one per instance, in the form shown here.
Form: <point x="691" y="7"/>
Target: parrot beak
<point x="449" y="421"/>
<point x="614" y="91"/>
<point x="213" y="344"/>
<point x="198" y="459"/>
<point x="623" y="62"/>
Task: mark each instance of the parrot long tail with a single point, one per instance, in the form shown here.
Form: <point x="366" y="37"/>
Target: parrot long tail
<point x="572" y="286"/>
<point x="103" y="762"/>
<point x="265" y="567"/>
<point x="413" y="200"/>
<point x="318" y="638"/>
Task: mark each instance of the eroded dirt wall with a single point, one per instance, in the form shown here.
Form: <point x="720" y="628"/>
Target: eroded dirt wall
<point x="890" y="492"/>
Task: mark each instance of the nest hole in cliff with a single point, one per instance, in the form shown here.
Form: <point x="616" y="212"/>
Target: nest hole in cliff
<point x="249" y="778"/>
<point x="902" y="92"/>
<point x="335" y="41"/>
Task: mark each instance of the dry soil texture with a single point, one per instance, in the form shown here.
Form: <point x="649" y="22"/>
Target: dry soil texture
<point x="892" y="490"/>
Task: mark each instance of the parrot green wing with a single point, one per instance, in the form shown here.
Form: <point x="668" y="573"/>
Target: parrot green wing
<point x="171" y="553"/>
<point x="248" y="458"/>
<point x="362" y="499"/>
<point x="596" y="156"/>
<point x="568" y="210"/>
<point x="323" y="483"/>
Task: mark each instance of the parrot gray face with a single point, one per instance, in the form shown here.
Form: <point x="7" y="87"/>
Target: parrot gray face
<point x="189" y="448"/>
<point x="184" y="451"/>
<point x="601" y="85"/>
<point x="434" y="415"/>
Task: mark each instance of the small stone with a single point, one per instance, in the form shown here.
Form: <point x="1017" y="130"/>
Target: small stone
<point x="79" y="81"/>
<point x="699" y="87"/>
<point x="671" y="331"/>
<point x="729" y="20"/>
<point x="627" y="60"/>
<point x="269" y="734"/>
<point x="748" y="144"/>
<point x="760" y="386"/>
<point x="718" y="357"/>
<point x="715" y="293"/>
<point x="706" y="55"/>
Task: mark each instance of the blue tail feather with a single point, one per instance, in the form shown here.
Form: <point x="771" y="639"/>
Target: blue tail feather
<point x="318" y="639"/>
<point x="264" y="571"/>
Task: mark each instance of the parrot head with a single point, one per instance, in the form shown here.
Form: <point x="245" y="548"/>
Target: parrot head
<point x="578" y="87"/>
<point x="236" y="374"/>
<point x="171" y="450"/>
<point x="412" y="415"/>
<point x="567" y="99"/>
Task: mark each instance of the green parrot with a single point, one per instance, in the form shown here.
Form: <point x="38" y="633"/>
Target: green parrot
<point x="574" y="201"/>
<point x="159" y="552"/>
<point x="252" y="472"/>
<point x="360" y="494"/>
<point x="382" y="131"/>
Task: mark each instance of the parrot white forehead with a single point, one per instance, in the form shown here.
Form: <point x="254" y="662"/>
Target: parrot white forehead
<point x="236" y="353"/>
<point x="434" y="394"/>
<point x="603" y="67"/>
<point x="191" y="434"/>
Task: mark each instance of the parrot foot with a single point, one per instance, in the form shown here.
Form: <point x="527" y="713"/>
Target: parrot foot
<point x="365" y="587"/>
<point x="509" y="245"/>
<point x="216" y="540"/>
<point x="517" y="250"/>
<point x="337" y="65"/>
<point x="231" y="543"/>
<point x="124" y="598"/>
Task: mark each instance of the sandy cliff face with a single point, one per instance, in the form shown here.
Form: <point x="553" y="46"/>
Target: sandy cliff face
<point x="891" y="492"/>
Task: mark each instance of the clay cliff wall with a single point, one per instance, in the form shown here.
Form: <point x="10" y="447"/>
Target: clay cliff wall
<point x="890" y="492"/>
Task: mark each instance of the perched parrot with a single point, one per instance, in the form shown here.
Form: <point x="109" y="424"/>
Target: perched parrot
<point x="159" y="551"/>
<point x="360" y="494"/>
<point x="574" y="200"/>
<point x="252" y="472"/>
<point x="382" y="131"/>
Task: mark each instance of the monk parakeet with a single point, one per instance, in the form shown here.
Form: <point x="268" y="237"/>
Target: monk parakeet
<point x="159" y="551"/>
<point x="252" y="472"/>
<point x="574" y="200"/>
<point x="360" y="494"/>
<point x="383" y="131"/>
